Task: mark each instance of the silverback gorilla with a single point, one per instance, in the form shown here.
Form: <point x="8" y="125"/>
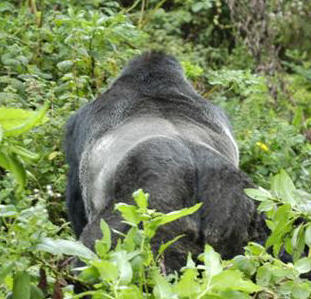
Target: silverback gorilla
<point x="151" y="130"/>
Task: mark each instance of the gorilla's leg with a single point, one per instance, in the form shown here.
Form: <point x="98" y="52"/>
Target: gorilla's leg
<point x="75" y="204"/>
<point x="228" y="218"/>
<point x="164" y="168"/>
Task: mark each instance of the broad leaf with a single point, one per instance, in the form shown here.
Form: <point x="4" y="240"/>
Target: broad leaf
<point x="303" y="265"/>
<point x="28" y="124"/>
<point x="233" y="279"/>
<point x="283" y="187"/>
<point x="211" y="260"/>
<point x="21" y="285"/>
<point x="141" y="198"/>
<point x="60" y="246"/>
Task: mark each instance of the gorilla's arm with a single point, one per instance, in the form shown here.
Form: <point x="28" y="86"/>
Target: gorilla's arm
<point x="74" y="201"/>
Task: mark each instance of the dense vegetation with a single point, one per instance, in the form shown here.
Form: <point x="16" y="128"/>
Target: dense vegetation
<point x="250" y="57"/>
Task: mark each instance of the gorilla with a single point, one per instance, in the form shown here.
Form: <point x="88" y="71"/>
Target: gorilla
<point x="152" y="130"/>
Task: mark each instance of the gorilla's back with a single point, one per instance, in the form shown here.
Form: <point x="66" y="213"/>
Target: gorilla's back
<point x="136" y="138"/>
<point x="151" y="130"/>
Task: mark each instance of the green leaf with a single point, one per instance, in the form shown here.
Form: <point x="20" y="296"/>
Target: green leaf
<point x="282" y="221"/>
<point x="130" y="292"/>
<point x="108" y="270"/>
<point x="308" y="235"/>
<point x="197" y="6"/>
<point x="245" y="264"/>
<point x="259" y="194"/>
<point x="103" y="246"/>
<point x="231" y="294"/>
<point x="60" y="246"/>
<point x="5" y="270"/>
<point x="36" y="293"/>
<point x="172" y="216"/>
<point x="120" y="258"/>
<point x="128" y="212"/>
<point x="298" y="118"/>
<point x="233" y="279"/>
<point x="264" y="276"/>
<point x="141" y="198"/>
<point x="283" y="186"/>
<point x="8" y="211"/>
<point x="4" y="162"/>
<point x="21" y="285"/>
<point x="266" y="206"/>
<point x="211" y="261"/>
<point x="162" y="288"/>
<point x="21" y="151"/>
<point x="28" y="124"/>
<point x="303" y="265"/>
<point x="65" y="65"/>
<point x="255" y="249"/>
<point x="13" y="117"/>
<point x="18" y="170"/>
<point x="164" y="246"/>
<point x="188" y="285"/>
<point x="297" y="242"/>
<point x="301" y="291"/>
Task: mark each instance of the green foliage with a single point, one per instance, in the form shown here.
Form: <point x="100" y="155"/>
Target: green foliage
<point x="65" y="53"/>
<point x="13" y="123"/>
<point x="288" y="215"/>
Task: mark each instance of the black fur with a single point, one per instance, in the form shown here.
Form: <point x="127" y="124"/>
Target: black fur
<point x="151" y="130"/>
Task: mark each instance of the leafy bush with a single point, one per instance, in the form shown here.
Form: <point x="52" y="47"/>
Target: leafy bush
<point x="14" y="122"/>
<point x="132" y="269"/>
<point x="64" y="52"/>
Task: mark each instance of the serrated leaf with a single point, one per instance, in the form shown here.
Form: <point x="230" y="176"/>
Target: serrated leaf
<point x="60" y="247"/>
